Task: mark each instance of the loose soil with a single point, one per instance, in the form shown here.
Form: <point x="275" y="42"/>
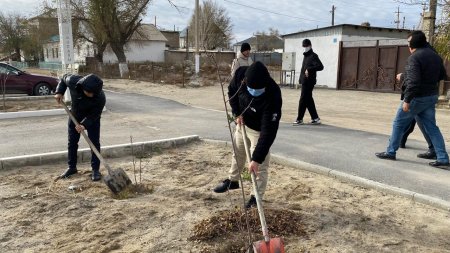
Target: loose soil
<point x="178" y="212"/>
<point x="28" y="105"/>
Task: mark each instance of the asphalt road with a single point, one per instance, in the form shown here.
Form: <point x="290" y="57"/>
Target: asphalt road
<point x="147" y="118"/>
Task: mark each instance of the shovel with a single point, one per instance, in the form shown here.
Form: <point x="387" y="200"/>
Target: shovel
<point x="268" y="245"/>
<point x="117" y="179"/>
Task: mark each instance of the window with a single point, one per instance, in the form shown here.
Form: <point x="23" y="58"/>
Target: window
<point x="46" y="52"/>
<point x="87" y="49"/>
<point x="57" y="51"/>
<point x="53" y="53"/>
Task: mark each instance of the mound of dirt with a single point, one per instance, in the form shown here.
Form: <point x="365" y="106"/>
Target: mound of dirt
<point x="279" y="222"/>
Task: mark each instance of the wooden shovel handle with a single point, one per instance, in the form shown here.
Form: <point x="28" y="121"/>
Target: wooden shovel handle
<point x="91" y="145"/>
<point x="262" y="218"/>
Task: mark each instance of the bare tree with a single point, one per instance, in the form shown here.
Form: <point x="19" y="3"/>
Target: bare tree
<point x="214" y="26"/>
<point x="91" y="28"/>
<point x="13" y="33"/>
<point x="119" y="19"/>
<point x="442" y="42"/>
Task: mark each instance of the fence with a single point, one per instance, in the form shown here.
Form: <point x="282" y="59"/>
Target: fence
<point x="18" y="64"/>
<point x="268" y="58"/>
<point x="55" y="66"/>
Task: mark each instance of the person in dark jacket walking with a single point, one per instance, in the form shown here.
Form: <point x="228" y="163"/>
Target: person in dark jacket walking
<point x="255" y="100"/>
<point x="423" y="70"/>
<point x="88" y="100"/>
<point x="308" y="78"/>
<point x="430" y="154"/>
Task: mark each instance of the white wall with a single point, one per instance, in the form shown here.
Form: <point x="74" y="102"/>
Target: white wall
<point x="326" y="44"/>
<point x="326" y="47"/>
<point x="52" y="53"/>
<point x="139" y="52"/>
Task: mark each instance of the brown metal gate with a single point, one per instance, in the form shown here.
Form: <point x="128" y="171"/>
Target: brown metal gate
<point x="371" y="68"/>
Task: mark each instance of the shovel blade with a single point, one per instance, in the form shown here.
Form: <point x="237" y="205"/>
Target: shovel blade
<point x="275" y="245"/>
<point x="117" y="180"/>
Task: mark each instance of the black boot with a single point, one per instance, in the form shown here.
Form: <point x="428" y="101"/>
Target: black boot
<point x="96" y="175"/>
<point x="251" y="202"/>
<point x="69" y="172"/>
<point x="226" y="185"/>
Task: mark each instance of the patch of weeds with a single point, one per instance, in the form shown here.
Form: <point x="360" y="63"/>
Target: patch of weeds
<point x="246" y="175"/>
<point x="134" y="190"/>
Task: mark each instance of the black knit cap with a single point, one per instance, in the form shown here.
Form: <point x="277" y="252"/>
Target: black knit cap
<point x="245" y="46"/>
<point x="306" y="43"/>
<point x="257" y="75"/>
<point x="417" y="39"/>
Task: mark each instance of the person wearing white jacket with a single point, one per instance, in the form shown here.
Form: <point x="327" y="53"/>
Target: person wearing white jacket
<point x="243" y="58"/>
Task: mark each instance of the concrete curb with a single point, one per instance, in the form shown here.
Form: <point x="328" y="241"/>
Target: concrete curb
<point x="25" y="114"/>
<point x="38" y="113"/>
<point x="25" y="98"/>
<point x="414" y="196"/>
<point x="84" y="155"/>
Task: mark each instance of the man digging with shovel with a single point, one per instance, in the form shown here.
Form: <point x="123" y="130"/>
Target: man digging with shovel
<point x="88" y="100"/>
<point x="256" y="101"/>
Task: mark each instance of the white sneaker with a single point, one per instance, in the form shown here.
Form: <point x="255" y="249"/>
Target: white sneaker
<point x="298" y="123"/>
<point x="316" y="121"/>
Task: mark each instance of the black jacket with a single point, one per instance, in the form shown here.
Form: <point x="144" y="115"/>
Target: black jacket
<point x="312" y="63"/>
<point x="85" y="109"/>
<point x="423" y="71"/>
<point x="261" y="113"/>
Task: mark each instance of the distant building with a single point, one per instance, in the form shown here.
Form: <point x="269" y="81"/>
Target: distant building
<point x="173" y="39"/>
<point x="326" y="43"/>
<point x="262" y="43"/>
<point x="183" y="37"/>
<point x="146" y="44"/>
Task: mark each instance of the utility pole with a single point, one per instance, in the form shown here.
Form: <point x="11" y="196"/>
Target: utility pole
<point x="397" y="21"/>
<point x="433" y="7"/>
<point x="197" y="56"/>
<point x="403" y="26"/>
<point x="186" y="43"/>
<point x="333" y="8"/>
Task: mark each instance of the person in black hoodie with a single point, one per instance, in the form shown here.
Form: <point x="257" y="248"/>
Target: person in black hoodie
<point x="255" y="101"/>
<point x="88" y="100"/>
<point x="308" y="78"/>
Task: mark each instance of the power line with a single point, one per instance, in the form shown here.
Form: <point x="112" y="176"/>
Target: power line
<point x="276" y="13"/>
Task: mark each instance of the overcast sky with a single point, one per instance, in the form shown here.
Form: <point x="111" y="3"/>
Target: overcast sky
<point x="260" y="15"/>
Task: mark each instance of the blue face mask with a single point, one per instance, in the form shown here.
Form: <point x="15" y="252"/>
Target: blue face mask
<point x="256" y="92"/>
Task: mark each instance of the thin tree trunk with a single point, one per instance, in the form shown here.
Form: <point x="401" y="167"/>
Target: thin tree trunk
<point x="17" y="51"/>
<point x="120" y="54"/>
<point x="99" y="56"/>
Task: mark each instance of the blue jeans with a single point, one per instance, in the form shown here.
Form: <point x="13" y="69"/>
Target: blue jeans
<point x="423" y="110"/>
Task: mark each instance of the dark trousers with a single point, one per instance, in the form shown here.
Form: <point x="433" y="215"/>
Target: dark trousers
<point x="424" y="133"/>
<point x="307" y="102"/>
<point x="74" y="138"/>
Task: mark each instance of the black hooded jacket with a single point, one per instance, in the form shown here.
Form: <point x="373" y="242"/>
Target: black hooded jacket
<point x="85" y="109"/>
<point x="260" y="113"/>
<point x="312" y="63"/>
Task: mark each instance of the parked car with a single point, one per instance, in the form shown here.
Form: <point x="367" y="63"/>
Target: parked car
<point x="14" y="80"/>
